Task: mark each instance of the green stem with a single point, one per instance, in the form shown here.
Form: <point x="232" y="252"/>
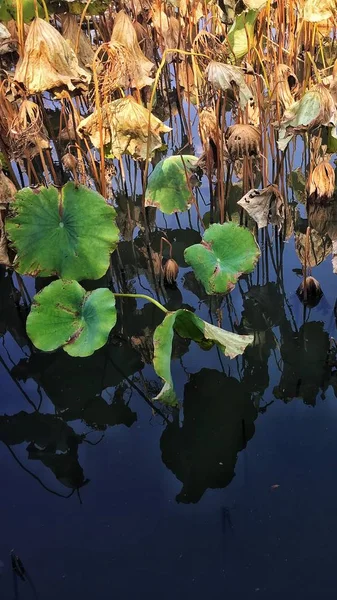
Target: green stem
<point x="145" y="297"/>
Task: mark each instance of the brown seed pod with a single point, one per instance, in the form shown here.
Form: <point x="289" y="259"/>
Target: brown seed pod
<point x="243" y="140"/>
<point x="69" y="162"/>
<point x="322" y="182"/>
<point x="309" y="291"/>
<point x="171" y="271"/>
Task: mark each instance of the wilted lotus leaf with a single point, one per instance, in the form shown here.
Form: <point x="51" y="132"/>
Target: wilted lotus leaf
<point x="71" y="32"/>
<point x="223" y="76"/>
<point x="169" y="187"/>
<point x="167" y="29"/>
<point x="70" y="233"/>
<point x="8" y="9"/>
<point x="125" y="128"/>
<point x="27" y="133"/>
<point x="49" y="62"/>
<point x="64" y="315"/>
<point x="225" y="252"/>
<point x="286" y="85"/>
<point x="126" y="66"/>
<point x="315" y="108"/>
<point x="322" y="182"/>
<point x="264" y="206"/>
<point x="318" y="10"/>
<point x="210" y="134"/>
<point x="319" y="247"/>
<point x="189" y="326"/>
<point x="243" y="140"/>
<point x="241" y="35"/>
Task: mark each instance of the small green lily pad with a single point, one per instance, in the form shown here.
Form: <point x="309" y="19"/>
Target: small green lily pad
<point x="169" y="185"/>
<point x="188" y="325"/>
<point x="69" y="233"/>
<point x="64" y="315"/>
<point x="225" y="252"/>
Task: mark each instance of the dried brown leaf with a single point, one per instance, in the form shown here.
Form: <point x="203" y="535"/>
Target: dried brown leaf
<point x="322" y="182"/>
<point x="265" y="206"/>
<point x="49" y="62"/>
<point x="125" y="128"/>
<point x="72" y="32"/>
<point x="243" y="140"/>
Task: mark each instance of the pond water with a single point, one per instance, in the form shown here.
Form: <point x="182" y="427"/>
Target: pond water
<point x="232" y="495"/>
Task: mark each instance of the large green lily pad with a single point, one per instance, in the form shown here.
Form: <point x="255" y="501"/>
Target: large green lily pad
<point x="188" y="325"/>
<point x="169" y="185"/>
<point x="225" y="252"/>
<point x="64" y="315"/>
<point x="69" y="233"/>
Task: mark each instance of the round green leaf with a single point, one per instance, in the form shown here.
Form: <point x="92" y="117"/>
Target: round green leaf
<point x="226" y="252"/>
<point x="169" y="185"/>
<point x="68" y="233"/>
<point x="64" y="314"/>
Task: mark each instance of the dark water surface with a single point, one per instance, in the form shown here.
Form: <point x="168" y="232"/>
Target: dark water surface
<point x="233" y="496"/>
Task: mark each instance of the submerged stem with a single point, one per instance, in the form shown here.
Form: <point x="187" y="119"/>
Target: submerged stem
<point x="145" y="298"/>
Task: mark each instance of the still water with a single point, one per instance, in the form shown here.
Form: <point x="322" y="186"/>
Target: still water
<point x="105" y="494"/>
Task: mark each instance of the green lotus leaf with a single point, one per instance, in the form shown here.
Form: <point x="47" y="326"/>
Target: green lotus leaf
<point x="64" y="315"/>
<point x="169" y="185"/>
<point x="241" y="34"/>
<point x="8" y="10"/>
<point x="225" y="252"/>
<point x="188" y="325"/>
<point x="69" y="233"/>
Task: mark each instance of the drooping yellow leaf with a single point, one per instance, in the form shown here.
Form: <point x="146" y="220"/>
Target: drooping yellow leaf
<point x="71" y="32"/>
<point x="49" y="62"/>
<point x="125" y="128"/>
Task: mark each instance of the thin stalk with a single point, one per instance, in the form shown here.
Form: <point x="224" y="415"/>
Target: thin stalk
<point x="145" y="297"/>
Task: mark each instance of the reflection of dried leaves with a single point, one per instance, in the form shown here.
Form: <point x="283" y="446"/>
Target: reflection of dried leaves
<point x="286" y="85"/>
<point x="334" y="256"/>
<point x="125" y="128"/>
<point x="243" y="140"/>
<point x="49" y="62"/>
<point x="322" y="182"/>
<point x="319" y="247"/>
<point x="225" y="77"/>
<point x="265" y="206"/>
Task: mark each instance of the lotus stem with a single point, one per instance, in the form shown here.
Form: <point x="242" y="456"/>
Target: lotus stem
<point x="145" y="297"/>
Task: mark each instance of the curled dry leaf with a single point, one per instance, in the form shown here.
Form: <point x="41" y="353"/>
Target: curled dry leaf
<point x="130" y="67"/>
<point x="315" y="108"/>
<point x="243" y="140"/>
<point x="225" y="77"/>
<point x="72" y="33"/>
<point x="265" y="206"/>
<point x="210" y="134"/>
<point x="167" y="29"/>
<point x="27" y="133"/>
<point x="322" y="182"/>
<point x="171" y="271"/>
<point x="286" y="85"/>
<point x="49" y="62"/>
<point x="125" y="128"/>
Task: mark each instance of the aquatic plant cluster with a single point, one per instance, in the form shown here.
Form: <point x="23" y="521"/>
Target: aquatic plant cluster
<point x="94" y="97"/>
